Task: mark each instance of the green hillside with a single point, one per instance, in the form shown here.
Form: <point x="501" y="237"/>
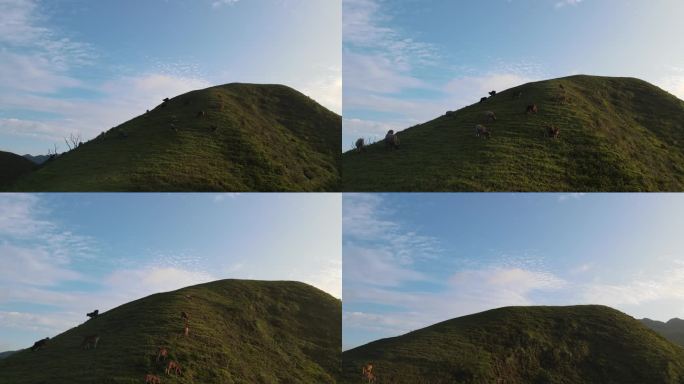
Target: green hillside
<point x="234" y="137"/>
<point x="616" y="134"/>
<point x="672" y="330"/>
<point x="240" y="332"/>
<point x="577" y="344"/>
<point x="12" y="167"/>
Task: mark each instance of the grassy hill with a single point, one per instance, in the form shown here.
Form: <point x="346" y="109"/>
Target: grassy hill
<point x="240" y="332"/>
<point x="250" y="138"/>
<point x="616" y="134"/>
<point x="12" y="167"/>
<point x="577" y="344"/>
<point x="672" y="330"/>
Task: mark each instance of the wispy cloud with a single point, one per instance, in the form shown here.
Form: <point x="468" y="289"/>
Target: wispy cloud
<point x="563" y="3"/>
<point x="220" y="3"/>
<point x="570" y="196"/>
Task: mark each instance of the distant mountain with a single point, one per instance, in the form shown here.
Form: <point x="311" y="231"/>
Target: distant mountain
<point x="40" y="159"/>
<point x="7" y="354"/>
<point x="240" y="331"/>
<point x="12" y="167"/>
<point x="673" y="330"/>
<point x="516" y="345"/>
<point x="616" y="134"/>
<point x="233" y="137"/>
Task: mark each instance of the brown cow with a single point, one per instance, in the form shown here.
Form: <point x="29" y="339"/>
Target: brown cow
<point x="482" y="131"/>
<point x="367" y="373"/>
<point x="162" y="354"/>
<point x="489" y="115"/>
<point x="532" y="108"/>
<point x="552" y="132"/>
<point x="90" y="341"/>
<point x="174" y="367"/>
<point x="152" y="379"/>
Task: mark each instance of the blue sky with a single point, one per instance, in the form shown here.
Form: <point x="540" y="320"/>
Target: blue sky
<point x="407" y="61"/>
<point x="64" y="255"/>
<point x="77" y="66"/>
<point x="411" y="260"/>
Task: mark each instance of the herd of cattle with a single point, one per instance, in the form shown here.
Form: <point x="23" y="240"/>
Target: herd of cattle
<point x="171" y="366"/>
<point x="392" y="140"/>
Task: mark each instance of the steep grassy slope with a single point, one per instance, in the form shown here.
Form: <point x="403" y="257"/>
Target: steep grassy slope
<point x="12" y="167"/>
<point x="672" y="330"/>
<point x="578" y="344"/>
<point x="251" y="138"/>
<point x="616" y="134"/>
<point x="240" y="332"/>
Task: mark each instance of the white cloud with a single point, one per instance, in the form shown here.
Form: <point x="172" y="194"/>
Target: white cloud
<point x="220" y="3"/>
<point x="570" y="196"/>
<point x="563" y="3"/>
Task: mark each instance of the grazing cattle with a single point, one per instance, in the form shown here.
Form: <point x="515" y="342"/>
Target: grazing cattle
<point x="391" y="140"/>
<point x="492" y="93"/>
<point x="152" y="379"/>
<point x="40" y="344"/>
<point x="90" y="341"/>
<point x="482" y="131"/>
<point x="93" y="314"/>
<point x="359" y="145"/>
<point x="482" y="100"/>
<point x="367" y="373"/>
<point x="173" y="367"/>
<point x="184" y="316"/>
<point x="490" y="115"/>
<point x="201" y="114"/>
<point x="162" y="354"/>
<point x="532" y="108"/>
<point x="552" y="132"/>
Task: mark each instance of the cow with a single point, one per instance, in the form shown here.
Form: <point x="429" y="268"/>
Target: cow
<point x="489" y="115"/>
<point x="173" y="367"/>
<point x="152" y="379"/>
<point x="552" y="132"/>
<point x="367" y="373"/>
<point x="482" y="131"/>
<point x="40" y="344"/>
<point x="482" y="100"/>
<point x="90" y="341"/>
<point x="359" y="145"/>
<point x="532" y="108"/>
<point x="391" y="139"/>
<point x="492" y="93"/>
<point x="93" y="314"/>
<point x="162" y="354"/>
<point x="166" y="99"/>
<point x="184" y="316"/>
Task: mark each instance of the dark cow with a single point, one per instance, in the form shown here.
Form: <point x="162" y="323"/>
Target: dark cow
<point x="184" y="316"/>
<point x="40" y="344"/>
<point x="90" y="341"/>
<point x="359" y="145"/>
<point x="492" y="93"/>
<point x="482" y="131"/>
<point x="93" y="314"/>
<point x="482" y="100"/>
<point x="552" y="132"/>
<point x="166" y="99"/>
<point x="391" y="140"/>
<point x="532" y="108"/>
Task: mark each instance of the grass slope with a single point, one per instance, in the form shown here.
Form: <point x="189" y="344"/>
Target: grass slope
<point x="240" y="332"/>
<point x="577" y="344"/>
<point x="672" y="330"/>
<point x="12" y="167"/>
<point x="267" y="138"/>
<point x="616" y="134"/>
